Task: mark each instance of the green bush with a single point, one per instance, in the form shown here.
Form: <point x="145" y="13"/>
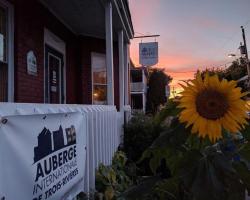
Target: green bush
<point x="139" y="134"/>
<point x="142" y="130"/>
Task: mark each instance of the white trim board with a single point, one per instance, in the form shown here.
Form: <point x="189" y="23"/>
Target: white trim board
<point x="54" y="41"/>
<point x="59" y="45"/>
<point x="10" y="48"/>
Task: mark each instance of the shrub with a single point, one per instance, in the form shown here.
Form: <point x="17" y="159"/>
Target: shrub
<point x="139" y="134"/>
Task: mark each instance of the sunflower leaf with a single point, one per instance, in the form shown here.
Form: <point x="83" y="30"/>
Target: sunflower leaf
<point x="168" y="189"/>
<point x="245" y="151"/>
<point x="142" y="189"/>
<point x="155" y="161"/>
<point x="246" y="132"/>
<point x="169" y="110"/>
<point x="175" y="137"/>
<point x="244" y="174"/>
<point x="208" y="175"/>
<point x="168" y="146"/>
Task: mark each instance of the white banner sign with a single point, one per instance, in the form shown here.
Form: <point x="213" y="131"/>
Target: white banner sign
<point x="42" y="157"/>
<point x="148" y="53"/>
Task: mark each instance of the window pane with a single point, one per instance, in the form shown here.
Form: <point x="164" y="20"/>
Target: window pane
<point x="99" y="71"/>
<point x="100" y="94"/>
<point x="3" y="82"/>
<point x="3" y="35"/>
<point x="100" y="77"/>
<point x="137" y="101"/>
<point x="136" y="75"/>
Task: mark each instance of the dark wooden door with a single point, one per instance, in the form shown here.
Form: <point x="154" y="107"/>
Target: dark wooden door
<point x="54" y="78"/>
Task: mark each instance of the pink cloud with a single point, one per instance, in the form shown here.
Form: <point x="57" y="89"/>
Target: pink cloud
<point x="143" y="13"/>
<point x="212" y="23"/>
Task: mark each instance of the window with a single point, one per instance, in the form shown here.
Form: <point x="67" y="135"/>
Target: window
<point x="99" y="79"/>
<point x="137" y="101"/>
<point x="3" y="56"/>
<point x="136" y="75"/>
<point x="6" y="51"/>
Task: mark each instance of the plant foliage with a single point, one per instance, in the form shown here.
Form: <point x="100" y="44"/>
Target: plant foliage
<point x="139" y="134"/>
<point x="114" y="179"/>
<point x="198" y="169"/>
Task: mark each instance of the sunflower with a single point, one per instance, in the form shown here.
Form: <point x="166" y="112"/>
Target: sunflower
<point x="209" y="105"/>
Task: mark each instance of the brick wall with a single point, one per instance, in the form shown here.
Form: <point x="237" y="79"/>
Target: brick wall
<point x="30" y="20"/>
<point x="31" y="17"/>
<point x="28" y="36"/>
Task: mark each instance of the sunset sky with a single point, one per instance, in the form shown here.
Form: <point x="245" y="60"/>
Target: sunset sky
<point x="195" y="34"/>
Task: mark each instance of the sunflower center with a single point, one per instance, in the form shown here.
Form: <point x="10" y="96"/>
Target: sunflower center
<point x="211" y="104"/>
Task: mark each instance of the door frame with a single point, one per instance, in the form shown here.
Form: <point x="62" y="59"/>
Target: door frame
<point x="57" y="44"/>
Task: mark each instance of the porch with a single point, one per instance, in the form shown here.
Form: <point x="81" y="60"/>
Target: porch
<point x="61" y="57"/>
<point x="110" y="21"/>
<point x="87" y="41"/>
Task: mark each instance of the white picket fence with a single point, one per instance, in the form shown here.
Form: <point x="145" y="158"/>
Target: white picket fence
<point x="103" y="136"/>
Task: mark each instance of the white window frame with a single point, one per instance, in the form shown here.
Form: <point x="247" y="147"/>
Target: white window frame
<point x="93" y="54"/>
<point x="59" y="45"/>
<point x="10" y="47"/>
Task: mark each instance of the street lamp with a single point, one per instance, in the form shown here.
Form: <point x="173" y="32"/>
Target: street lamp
<point x="244" y="51"/>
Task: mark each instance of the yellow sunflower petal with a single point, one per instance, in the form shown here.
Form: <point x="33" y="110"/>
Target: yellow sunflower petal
<point x="210" y="104"/>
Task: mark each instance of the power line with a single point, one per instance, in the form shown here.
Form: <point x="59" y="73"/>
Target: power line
<point x="232" y="36"/>
<point x="223" y="65"/>
<point x="139" y="33"/>
<point x="247" y="23"/>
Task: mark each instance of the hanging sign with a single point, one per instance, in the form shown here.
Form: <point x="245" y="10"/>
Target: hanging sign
<point x="148" y="53"/>
<point x="45" y="161"/>
<point x="31" y="63"/>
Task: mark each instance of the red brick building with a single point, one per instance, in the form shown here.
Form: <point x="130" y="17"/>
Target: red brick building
<point x="61" y="51"/>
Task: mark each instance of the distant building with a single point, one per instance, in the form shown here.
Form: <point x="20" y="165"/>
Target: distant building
<point x="138" y="88"/>
<point x="58" y="139"/>
<point x="139" y="77"/>
<point x="167" y="91"/>
<point x="44" y="146"/>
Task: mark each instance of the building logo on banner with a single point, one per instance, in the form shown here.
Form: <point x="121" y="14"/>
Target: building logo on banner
<point x="148" y="53"/>
<point x="54" y="161"/>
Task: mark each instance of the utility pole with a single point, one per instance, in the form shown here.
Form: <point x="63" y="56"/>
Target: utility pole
<point x="246" y="53"/>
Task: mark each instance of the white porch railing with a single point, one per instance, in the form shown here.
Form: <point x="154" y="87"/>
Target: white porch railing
<point x="138" y="87"/>
<point x="103" y="136"/>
